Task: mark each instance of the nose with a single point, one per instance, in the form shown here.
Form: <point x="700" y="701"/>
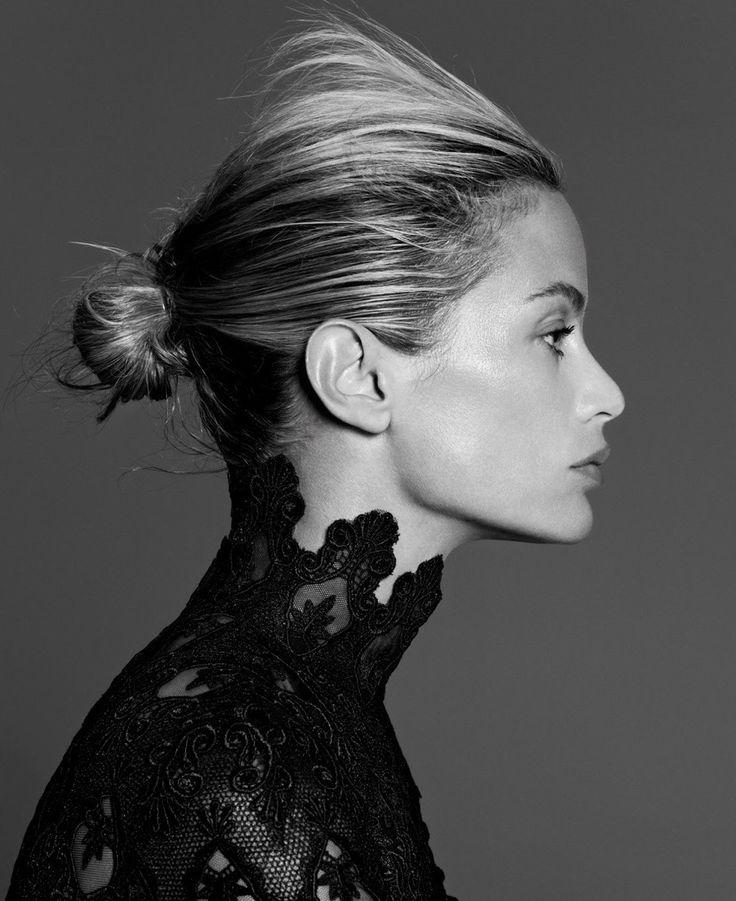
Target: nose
<point x="600" y="395"/>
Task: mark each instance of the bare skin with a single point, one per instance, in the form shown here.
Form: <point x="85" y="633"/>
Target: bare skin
<point x="479" y="444"/>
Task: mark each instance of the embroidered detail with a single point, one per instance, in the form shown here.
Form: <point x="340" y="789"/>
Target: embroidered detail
<point x="337" y="877"/>
<point x="245" y="754"/>
<point x="176" y="777"/>
<point x="92" y="847"/>
<point x="185" y="684"/>
<point x="222" y="880"/>
<point x="308" y="625"/>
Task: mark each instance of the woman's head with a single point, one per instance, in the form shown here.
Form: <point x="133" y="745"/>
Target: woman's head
<point x="491" y="437"/>
<point x="371" y="187"/>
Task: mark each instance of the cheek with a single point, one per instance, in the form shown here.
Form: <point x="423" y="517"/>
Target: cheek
<point x="447" y="419"/>
<point x="462" y="424"/>
<point x="480" y="434"/>
<point x="486" y="448"/>
<point x="480" y="415"/>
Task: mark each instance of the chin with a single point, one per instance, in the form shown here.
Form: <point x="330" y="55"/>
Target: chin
<point x="570" y="532"/>
<point x="571" y="528"/>
<point x="553" y="521"/>
<point x="578" y="528"/>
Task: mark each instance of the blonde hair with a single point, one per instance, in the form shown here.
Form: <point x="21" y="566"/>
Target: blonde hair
<point x="371" y="185"/>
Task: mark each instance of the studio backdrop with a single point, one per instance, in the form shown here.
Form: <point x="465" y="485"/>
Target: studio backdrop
<point x="569" y="711"/>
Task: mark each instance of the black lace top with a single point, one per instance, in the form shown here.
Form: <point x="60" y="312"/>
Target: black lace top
<point x="246" y="754"/>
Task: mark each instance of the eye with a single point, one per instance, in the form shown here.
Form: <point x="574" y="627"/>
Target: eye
<point x="558" y="334"/>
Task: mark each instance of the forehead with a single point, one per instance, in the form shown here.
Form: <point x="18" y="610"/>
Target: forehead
<point x="544" y="246"/>
<point x="539" y="250"/>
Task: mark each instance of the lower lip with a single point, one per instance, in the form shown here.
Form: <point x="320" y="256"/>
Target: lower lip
<point x="591" y="470"/>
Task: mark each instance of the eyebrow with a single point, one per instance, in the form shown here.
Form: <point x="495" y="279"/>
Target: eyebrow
<point x="565" y="289"/>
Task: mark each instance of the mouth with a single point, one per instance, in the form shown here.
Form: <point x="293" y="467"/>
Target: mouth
<point x="599" y="457"/>
<point x="591" y="471"/>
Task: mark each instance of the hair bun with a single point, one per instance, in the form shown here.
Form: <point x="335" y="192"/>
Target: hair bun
<point x="123" y="329"/>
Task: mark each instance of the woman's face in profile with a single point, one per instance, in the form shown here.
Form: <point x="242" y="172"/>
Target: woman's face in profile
<point x="491" y="436"/>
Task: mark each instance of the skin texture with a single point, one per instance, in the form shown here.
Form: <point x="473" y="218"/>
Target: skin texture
<point x="477" y="443"/>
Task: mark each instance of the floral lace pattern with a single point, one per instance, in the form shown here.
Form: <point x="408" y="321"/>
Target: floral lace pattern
<point x="246" y="754"/>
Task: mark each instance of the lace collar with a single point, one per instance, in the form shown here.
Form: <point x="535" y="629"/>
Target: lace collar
<point x="318" y="608"/>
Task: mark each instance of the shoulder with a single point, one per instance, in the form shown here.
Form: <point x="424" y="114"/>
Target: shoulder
<point x="237" y="722"/>
<point x="195" y="723"/>
<point x="197" y="783"/>
<point x="242" y="791"/>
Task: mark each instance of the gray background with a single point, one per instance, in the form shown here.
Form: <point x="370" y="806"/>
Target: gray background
<point x="568" y="711"/>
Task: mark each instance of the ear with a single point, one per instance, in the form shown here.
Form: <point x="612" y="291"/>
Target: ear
<point x="351" y="371"/>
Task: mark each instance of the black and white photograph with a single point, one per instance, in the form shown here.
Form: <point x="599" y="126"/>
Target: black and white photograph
<point x="368" y="437"/>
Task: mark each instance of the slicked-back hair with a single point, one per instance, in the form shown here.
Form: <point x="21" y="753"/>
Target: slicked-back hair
<point x="371" y="184"/>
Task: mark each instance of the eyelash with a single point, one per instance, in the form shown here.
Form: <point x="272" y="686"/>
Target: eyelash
<point x="567" y="330"/>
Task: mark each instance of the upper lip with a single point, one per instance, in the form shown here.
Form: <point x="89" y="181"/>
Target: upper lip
<point x="599" y="457"/>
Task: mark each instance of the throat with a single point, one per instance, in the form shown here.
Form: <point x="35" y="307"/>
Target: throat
<point x="340" y="608"/>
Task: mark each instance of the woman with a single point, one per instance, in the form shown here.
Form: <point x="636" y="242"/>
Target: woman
<point x="379" y="299"/>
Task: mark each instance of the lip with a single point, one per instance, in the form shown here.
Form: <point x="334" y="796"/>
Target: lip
<point x="591" y="471"/>
<point x="600" y="456"/>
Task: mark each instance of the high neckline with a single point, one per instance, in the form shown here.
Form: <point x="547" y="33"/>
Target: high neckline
<point x="318" y="609"/>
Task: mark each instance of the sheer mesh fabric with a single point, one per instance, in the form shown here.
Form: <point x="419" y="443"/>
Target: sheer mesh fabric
<point x="246" y="752"/>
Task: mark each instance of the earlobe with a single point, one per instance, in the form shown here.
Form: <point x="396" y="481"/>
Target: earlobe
<point x="344" y="362"/>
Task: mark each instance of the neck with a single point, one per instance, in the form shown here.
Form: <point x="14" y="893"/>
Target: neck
<point x="317" y="608"/>
<point x="335" y="486"/>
